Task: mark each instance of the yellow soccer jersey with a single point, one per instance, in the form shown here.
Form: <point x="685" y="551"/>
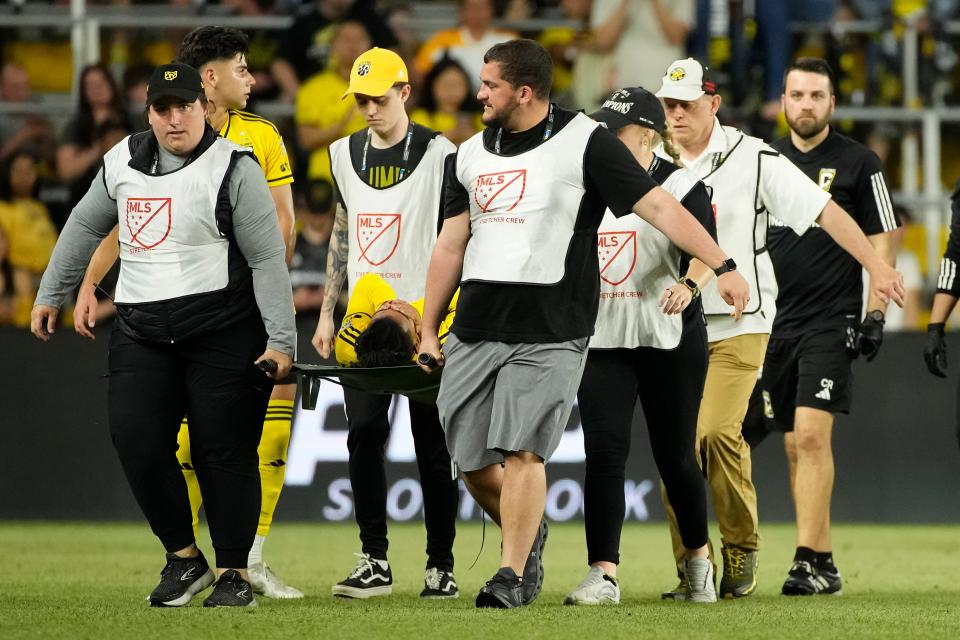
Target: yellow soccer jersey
<point x="371" y="292"/>
<point x="260" y="136"/>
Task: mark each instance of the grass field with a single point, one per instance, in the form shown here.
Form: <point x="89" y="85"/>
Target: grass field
<point x="65" y="580"/>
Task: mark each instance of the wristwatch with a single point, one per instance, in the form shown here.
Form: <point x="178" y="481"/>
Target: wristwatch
<point x="876" y="315"/>
<point x="691" y="284"/>
<point x="725" y="266"/>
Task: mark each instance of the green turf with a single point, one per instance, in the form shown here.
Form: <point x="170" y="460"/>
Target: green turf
<point x="89" y="581"/>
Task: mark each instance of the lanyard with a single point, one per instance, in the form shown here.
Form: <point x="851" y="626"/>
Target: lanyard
<point x="406" y="154"/>
<point x="546" y="134"/>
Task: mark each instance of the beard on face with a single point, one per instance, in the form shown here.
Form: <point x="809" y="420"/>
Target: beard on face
<point x="807" y="126"/>
<point x="500" y="118"/>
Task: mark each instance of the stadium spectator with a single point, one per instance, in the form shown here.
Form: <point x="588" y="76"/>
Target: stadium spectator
<point x="651" y="31"/>
<point x="466" y="43"/>
<point x="447" y="104"/>
<point x="322" y="115"/>
<point x="105" y="136"/>
<point x="308" y="269"/>
<point x="306" y="48"/>
<point x="26" y="131"/>
<point x="264" y="45"/>
<point x="30" y="234"/>
<point x="565" y="45"/>
<point x="99" y="101"/>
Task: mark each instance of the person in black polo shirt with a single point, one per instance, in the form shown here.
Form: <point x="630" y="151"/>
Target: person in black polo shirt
<point x="817" y="332"/>
<point x="522" y="203"/>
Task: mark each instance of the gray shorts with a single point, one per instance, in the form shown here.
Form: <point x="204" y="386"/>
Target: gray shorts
<point x="497" y="397"/>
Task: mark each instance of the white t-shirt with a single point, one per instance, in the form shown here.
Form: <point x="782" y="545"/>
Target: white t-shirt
<point x="643" y="53"/>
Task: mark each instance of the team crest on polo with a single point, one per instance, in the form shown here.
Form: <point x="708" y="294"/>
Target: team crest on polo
<point x="378" y="235"/>
<point x="148" y="220"/>
<point x="500" y="192"/>
<point x="826" y="178"/>
<point x="617" y="251"/>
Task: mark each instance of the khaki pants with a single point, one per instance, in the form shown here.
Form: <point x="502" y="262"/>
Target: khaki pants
<point x="723" y="453"/>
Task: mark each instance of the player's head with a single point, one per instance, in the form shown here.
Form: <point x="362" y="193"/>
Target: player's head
<point x="392" y="337"/>
<point x="381" y="87"/>
<point x="476" y="14"/>
<point x="808" y="99"/>
<point x="176" y="107"/>
<point x="515" y="75"/>
<point x="636" y="116"/>
<point x="690" y="101"/>
<point x="220" y="55"/>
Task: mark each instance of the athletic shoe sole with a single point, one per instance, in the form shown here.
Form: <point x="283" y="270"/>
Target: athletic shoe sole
<point x="199" y="585"/>
<point x="452" y="596"/>
<point x="355" y="593"/>
<point x="490" y="601"/>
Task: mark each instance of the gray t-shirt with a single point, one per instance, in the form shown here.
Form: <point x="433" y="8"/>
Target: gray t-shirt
<point x="255" y="229"/>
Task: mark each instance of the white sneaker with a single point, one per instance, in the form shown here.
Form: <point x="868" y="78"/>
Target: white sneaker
<point x="699" y="575"/>
<point x="266" y="582"/>
<point x="596" y="588"/>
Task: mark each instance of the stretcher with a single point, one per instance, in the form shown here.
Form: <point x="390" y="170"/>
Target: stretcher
<point x="408" y="380"/>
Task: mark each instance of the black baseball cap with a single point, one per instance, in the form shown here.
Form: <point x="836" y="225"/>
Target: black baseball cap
<point x="632" y="105"/>
<point x="175" y="80"/>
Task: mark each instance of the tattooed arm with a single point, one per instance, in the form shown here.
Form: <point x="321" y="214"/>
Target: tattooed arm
<point x="336" y="276"/>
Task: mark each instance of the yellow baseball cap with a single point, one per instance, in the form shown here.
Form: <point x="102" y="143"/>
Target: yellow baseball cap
<point x="375" y="71"/>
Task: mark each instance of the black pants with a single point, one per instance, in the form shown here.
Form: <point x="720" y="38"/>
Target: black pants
<point x="213" y="381"/>
<point x="369" y="429"/>
<point x="669" y="385"/>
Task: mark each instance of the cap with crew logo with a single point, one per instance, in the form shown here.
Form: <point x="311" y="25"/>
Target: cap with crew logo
<point x="375" y="71"/>
<point x="174" y="80"/>
<point x="686" y="80"/>
<point x="633" y="105"/>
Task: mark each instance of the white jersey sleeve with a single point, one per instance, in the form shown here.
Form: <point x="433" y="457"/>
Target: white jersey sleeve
<point x="787" y="193"/>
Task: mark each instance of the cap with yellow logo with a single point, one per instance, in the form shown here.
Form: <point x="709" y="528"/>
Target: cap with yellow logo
<point x="174" y="80"/>
<point x="375" y="71"/>
<point x="686" y="80"/>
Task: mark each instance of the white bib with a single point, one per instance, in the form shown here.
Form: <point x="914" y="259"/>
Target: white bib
<point x="523" y="208"/>
<point x="170" y="245"/>
<point x="637" y="263"/>
<point x="392" y="231"/>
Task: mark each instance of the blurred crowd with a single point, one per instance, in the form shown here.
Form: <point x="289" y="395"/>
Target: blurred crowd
<point x="48" y="160"/>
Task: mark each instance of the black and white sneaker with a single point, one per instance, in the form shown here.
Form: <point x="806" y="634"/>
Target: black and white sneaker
<point x="371" y="577"/>
<point x="829" y="578"/>
<point x="180" y="580"/>
<point x="438" y="584"/>
<point x="802" y="580"/>
<point x="231" y="590"/>
<point x="503" y="591"/>
<point x="533" y="569"/>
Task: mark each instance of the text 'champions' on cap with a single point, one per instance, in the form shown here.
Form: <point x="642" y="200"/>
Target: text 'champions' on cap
<point x="375" y="71"/>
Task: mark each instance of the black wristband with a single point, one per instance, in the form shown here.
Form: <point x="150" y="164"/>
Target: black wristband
<point x="936" y="327"/>
<point x="725" y="266"/>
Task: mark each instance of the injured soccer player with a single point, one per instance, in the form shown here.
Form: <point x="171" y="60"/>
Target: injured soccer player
<point x="381" y="330"/>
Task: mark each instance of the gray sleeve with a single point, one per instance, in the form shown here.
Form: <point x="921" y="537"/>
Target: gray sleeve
<point x="257" y="233"/>
<point x="92" y="219"/>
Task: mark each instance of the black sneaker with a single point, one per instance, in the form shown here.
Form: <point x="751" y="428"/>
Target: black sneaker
<point x="802" y="580"/>
<point x="680" y="591"/>
<point x="180" y="580"/>
<point x="231" y="590"/>
<point x="438" y="584"/>
<point x="371" y="577"/>
<point x="829" y="578"/>
<point x="503" y="591"/>
<point x="533" y="569"/>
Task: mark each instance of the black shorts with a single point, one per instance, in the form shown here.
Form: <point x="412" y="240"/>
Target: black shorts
<point x="809" y="370"/>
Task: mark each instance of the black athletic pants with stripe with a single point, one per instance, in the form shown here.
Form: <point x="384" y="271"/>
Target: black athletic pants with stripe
<point x="369" y="430"/>
<point x="669" y="385"/>
<point x="212" y="380"/>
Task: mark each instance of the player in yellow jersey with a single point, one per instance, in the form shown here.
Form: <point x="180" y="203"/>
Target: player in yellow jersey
<point x="379" y="329"/>
<point x="219" y="54"/>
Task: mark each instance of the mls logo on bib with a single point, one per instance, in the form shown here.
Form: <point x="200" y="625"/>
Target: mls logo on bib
<point x="378" y="235"/>
<point x="617" y="251"/>
<point x="148" y="220"/>
<point x="500" y="192"/>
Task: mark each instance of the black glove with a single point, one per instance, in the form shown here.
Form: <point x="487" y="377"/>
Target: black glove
<point x="935" y="351"/>
<point x="871" y="334"/>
